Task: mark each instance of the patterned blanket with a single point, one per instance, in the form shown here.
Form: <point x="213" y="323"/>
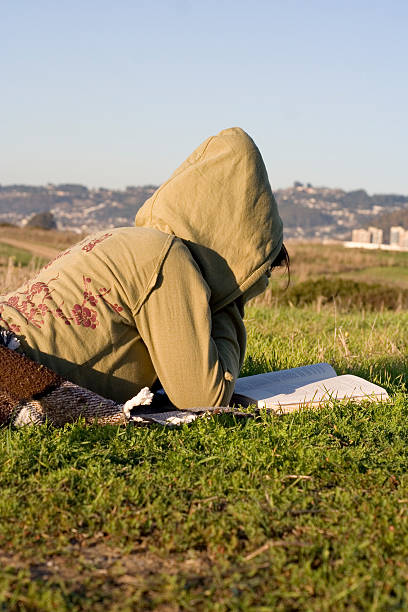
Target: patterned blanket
<point x="31" y="393"/>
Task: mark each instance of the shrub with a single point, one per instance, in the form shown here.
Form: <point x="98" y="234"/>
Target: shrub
<point x="347" y="294"/>
<point x="44" y="220"/>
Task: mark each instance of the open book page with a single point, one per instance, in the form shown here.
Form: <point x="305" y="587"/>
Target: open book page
<point x="336" y="388"/>
<point x="262" y="386"/>
<point x="314" y="394"/>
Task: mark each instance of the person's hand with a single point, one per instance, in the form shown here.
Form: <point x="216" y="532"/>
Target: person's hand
<point x="240" y="400"/>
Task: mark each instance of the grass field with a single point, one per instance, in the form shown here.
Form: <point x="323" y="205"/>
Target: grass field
<point x="19" y="257"/>
<point x="29" y="251"/>
<point x="53" y="239"/>
<point x="299" y="512"/>
<point x="378" y="274"/>
<point x="311" y="260"/>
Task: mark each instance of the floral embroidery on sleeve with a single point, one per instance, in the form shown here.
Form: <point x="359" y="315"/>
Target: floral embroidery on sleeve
<point x="9" y="326"/>
<point x="62" y="254"/>
<point x="90" y="245"/>
<point x="83" y="314"/>
<point x="32" y="304"/>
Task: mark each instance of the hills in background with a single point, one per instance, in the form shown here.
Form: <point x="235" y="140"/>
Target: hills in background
<point x="321" y="212"/>
<point x="75" y="207"/>
<point x="307" y="212"/>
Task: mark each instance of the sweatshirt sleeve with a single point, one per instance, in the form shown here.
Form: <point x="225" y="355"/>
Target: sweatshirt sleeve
<point x="196" y="355"/>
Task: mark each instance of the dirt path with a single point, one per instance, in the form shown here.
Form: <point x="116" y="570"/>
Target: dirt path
<point x="36" y="249"/>
<point x="97" y="572"/>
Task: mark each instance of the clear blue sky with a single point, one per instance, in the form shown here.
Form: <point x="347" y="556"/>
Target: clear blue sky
<point x="118" y="93"/>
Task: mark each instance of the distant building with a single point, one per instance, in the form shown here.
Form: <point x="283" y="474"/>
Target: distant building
<point x="360" y="235"/>
<point x="376" y="235"/>
<point x="398" y="236"/>
<point x="372" y="235"/>
<point x="372" y="238"/>
<point x="395" y="231"/>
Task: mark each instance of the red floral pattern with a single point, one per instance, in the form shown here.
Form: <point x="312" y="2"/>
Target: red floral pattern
<point x="90" y="245"/>
<point x="57" y="257"/>
<point x="36" y="303"/>
<point x="84" y="316"/>
<point x="10" y="326"/>
<point x="31" y="303"/>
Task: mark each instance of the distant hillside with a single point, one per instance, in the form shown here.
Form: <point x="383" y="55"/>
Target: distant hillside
<point x="73" y="206"/>
<point x="320" y="212"/>
<point x="307" y="211"/>
<point x="294" y="215"/>
<point x="387" y="220"/>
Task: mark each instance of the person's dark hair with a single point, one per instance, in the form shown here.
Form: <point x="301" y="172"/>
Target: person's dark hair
<point x="282" y="259"/>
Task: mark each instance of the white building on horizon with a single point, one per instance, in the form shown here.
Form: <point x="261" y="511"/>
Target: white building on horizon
<point x="372" y="238"/>
<point x="372" y="235"/>
<point x="398" y="236"/>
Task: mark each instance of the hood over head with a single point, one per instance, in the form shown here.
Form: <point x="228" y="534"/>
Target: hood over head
<point x="220" y="203"/>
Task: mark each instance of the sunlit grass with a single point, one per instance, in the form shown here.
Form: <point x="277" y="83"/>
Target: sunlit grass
<point x="368" y="344"/>
<point x="306" y="511"/>
<point x="20" y="257"/>
<point x="397" y="275"/>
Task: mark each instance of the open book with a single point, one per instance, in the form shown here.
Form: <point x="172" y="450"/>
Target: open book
<point x="283" y="391"/>
<point x="288" y="390"/>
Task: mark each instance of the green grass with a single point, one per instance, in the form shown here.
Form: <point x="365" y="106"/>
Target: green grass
<point x="21" y="257"/>
<point x="394" y="275"/>
<point x="302" y="512"/>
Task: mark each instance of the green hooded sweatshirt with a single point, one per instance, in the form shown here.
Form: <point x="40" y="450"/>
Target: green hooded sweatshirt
<point x="162" y="300"/>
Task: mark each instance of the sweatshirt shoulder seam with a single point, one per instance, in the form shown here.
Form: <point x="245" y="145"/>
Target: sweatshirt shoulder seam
<point x="153" y="277"/>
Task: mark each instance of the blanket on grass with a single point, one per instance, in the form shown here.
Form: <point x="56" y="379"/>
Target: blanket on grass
<point x="31" y="393"/>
